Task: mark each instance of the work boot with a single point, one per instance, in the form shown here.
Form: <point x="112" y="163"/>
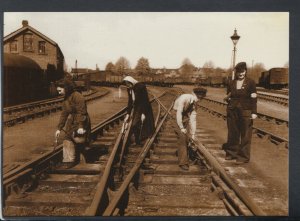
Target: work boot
<point x="184" y="167"/>
<point x="66" y="165"/>
<point x="229" y="157"/>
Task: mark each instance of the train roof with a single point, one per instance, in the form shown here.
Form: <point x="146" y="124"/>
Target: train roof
<point x="19" y="61"/>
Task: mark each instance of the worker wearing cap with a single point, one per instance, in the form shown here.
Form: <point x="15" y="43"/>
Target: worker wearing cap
<point x="185" y="107"/>
<point x="241" y="110"/>
<point x="142" y="119"/>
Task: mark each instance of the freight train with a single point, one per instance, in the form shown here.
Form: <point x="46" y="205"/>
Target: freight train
<point x="214" y="81"/>
<point x="111" y="79"/>
<point x="275" y="78"/>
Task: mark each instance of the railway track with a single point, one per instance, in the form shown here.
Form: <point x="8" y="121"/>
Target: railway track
<point x="113" y="179"/>
<point x="52" y="186"/>
<point x="274" y="98"/>
<point x="282" y="91"/>
<point x="265" y="126"/>
<point x="21" y="113"/>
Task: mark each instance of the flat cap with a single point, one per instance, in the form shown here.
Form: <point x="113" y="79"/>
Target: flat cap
<point x="200" y="91"/>
<point x="240" y="67"/>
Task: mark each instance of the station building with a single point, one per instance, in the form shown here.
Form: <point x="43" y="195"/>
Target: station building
<point x="27" y="41"/>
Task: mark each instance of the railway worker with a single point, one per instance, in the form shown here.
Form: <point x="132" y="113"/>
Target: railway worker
<point x="185" y="107"/>
<point x="142" y="119"/>
<point x="74" y="117"/>
<point x="241" y="110"/>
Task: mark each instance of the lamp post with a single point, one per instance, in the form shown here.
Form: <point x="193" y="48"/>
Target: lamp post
<point x="235" y="38"/>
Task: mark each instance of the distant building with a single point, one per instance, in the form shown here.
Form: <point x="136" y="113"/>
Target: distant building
<point x="30" y="43"/>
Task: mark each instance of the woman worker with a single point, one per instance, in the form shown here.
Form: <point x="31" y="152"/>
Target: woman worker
<point x="74" y="117"/>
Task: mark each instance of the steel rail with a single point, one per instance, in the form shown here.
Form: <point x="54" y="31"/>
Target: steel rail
<point x="95" y="207"/>
<point x="46" y="107"/>
<point x="125" y="138"/>
<point x="8" y="110"/>
<point x="117" y="197"/>
<point x="48" y="154"/>
<point x="101" y="186"/>
<point x="259" y="115"/>
<point x="283" y="92"/>
<point x="29" y="166"/>
<point x="280" y="100"/>
<point x="272" y="137"/>
<point x="218" y="169"/>
<point x="38" y="103"/>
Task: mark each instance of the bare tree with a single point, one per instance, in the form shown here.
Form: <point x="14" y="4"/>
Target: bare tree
<point x="186" y="61"/>
<point x="256" y="71"/>
<point x="208" y="68"/>
<point x="110" y="67"/>
<point x="209" y="64"/>
<point x="142" y="66"/>
<point x="122" y="65"/>
<point x="187" y="67"/>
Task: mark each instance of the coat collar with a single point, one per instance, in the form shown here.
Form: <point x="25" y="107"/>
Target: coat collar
<point x="244" y="83"/>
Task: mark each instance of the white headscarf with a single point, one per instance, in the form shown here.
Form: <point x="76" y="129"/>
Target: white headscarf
<point x="133" y="81"/>
<point x="130" y="79"/>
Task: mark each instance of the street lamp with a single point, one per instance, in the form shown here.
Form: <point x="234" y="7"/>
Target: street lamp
<point x="235" y="38"/>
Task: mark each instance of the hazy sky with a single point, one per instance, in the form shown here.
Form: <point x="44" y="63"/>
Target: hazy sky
<point x="165" y="39"/>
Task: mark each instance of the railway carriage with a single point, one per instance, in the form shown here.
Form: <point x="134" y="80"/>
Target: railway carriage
<point x="23" y="80"/>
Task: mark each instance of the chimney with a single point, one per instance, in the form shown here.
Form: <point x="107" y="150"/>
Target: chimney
<point x="25" y="23"/>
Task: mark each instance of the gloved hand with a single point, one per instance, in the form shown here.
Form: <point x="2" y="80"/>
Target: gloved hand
<point x="194" y="137"/>
<point x="143" y="117"/>
<point x="57" y="133"/>
<point x="81" y="131"/>
<point x="226" y="99"/>
<point x="126" y="118"/>
<point x="253" y="116"/>
<point x="183" y="130"/>
<point x="253" y="95"/>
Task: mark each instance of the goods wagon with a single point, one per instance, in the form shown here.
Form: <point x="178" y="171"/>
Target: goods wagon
<point x="98" y="76"/>
<point x="275" y="78"/>
<point x="105" y="78"/>
<point x="216" y="81"/>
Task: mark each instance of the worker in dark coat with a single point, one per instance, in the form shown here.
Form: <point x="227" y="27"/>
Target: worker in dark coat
<point x="138" y="102"/>
<point x="241" y="110"/>
<point x="74" y="117"/>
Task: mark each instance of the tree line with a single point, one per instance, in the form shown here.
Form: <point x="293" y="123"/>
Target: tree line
<point x="187" y="68"/>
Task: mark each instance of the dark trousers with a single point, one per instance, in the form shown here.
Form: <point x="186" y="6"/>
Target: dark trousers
<point x="239" y="125"/>
<point x="182" y="144"/>
<point x="182" y="147"/>
<point x="136" y="131"/>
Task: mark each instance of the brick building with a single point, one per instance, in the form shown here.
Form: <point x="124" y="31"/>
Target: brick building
<point x="30" y="43"/>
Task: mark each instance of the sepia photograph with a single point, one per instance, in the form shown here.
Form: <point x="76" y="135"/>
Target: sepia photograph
<point x="145" y="114"/>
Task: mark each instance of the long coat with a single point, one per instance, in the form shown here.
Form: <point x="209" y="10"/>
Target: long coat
<point x="240" y="107"/>
<point x="74" y="115"/>
<point x="242" y="97"/>
<point x="141" y="105"/>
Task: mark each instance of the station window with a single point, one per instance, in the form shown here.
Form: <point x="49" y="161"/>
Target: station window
<point x="42" y="47"/>
<point x="14" y="46"/>
<point x="28" y="43"/>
